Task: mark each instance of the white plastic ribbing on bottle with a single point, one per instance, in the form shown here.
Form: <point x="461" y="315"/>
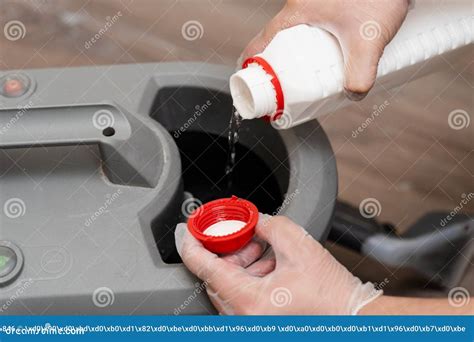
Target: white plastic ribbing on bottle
<point x="254" y="92"/>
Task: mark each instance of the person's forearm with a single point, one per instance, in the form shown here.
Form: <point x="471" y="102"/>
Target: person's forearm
<point x="388" y="305"/>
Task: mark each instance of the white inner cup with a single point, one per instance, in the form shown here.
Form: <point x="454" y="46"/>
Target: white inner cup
<point x="222" y="228"/>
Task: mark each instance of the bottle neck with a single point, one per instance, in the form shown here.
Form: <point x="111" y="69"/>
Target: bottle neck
<point x="253" y="93"/>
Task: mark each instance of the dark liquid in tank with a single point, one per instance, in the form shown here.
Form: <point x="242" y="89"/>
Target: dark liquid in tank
<point x="204" y="157"/>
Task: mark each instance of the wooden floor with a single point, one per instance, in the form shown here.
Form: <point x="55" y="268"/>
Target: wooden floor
<point x="408" y="158"/>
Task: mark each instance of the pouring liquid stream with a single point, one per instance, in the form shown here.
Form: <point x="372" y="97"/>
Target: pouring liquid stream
<point x="233" y="139"/>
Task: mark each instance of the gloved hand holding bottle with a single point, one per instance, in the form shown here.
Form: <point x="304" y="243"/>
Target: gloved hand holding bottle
<point x="344" y="20"/>
<point x="315" y="51"/>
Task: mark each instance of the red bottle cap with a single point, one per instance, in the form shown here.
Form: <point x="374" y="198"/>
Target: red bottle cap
<point x="233" y="208"/>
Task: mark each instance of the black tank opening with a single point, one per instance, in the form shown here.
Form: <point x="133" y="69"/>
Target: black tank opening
<point x="203" y="160"/>
<point x="198" y="120"/>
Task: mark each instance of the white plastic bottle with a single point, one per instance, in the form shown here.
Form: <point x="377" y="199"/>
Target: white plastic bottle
<point x="300" y="73"/>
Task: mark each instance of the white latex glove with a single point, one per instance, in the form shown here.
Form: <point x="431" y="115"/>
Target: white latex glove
<point x="301" y="277"/>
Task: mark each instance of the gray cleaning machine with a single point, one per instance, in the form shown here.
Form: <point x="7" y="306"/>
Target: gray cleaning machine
<point x="99" y="164"/>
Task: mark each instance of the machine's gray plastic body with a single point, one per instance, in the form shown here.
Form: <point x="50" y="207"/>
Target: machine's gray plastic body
<point x="94" y="205"/>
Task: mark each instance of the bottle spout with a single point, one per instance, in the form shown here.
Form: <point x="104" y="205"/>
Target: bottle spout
<point x="252" y="92"/>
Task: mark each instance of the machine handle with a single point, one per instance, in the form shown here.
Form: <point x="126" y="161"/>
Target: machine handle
<point x="350" y="229"/>
<point x="62" y="126"/>
<point x="113" y="129"/>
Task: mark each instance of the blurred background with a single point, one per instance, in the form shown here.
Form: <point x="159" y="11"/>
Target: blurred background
<point x="409" y="158"/>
